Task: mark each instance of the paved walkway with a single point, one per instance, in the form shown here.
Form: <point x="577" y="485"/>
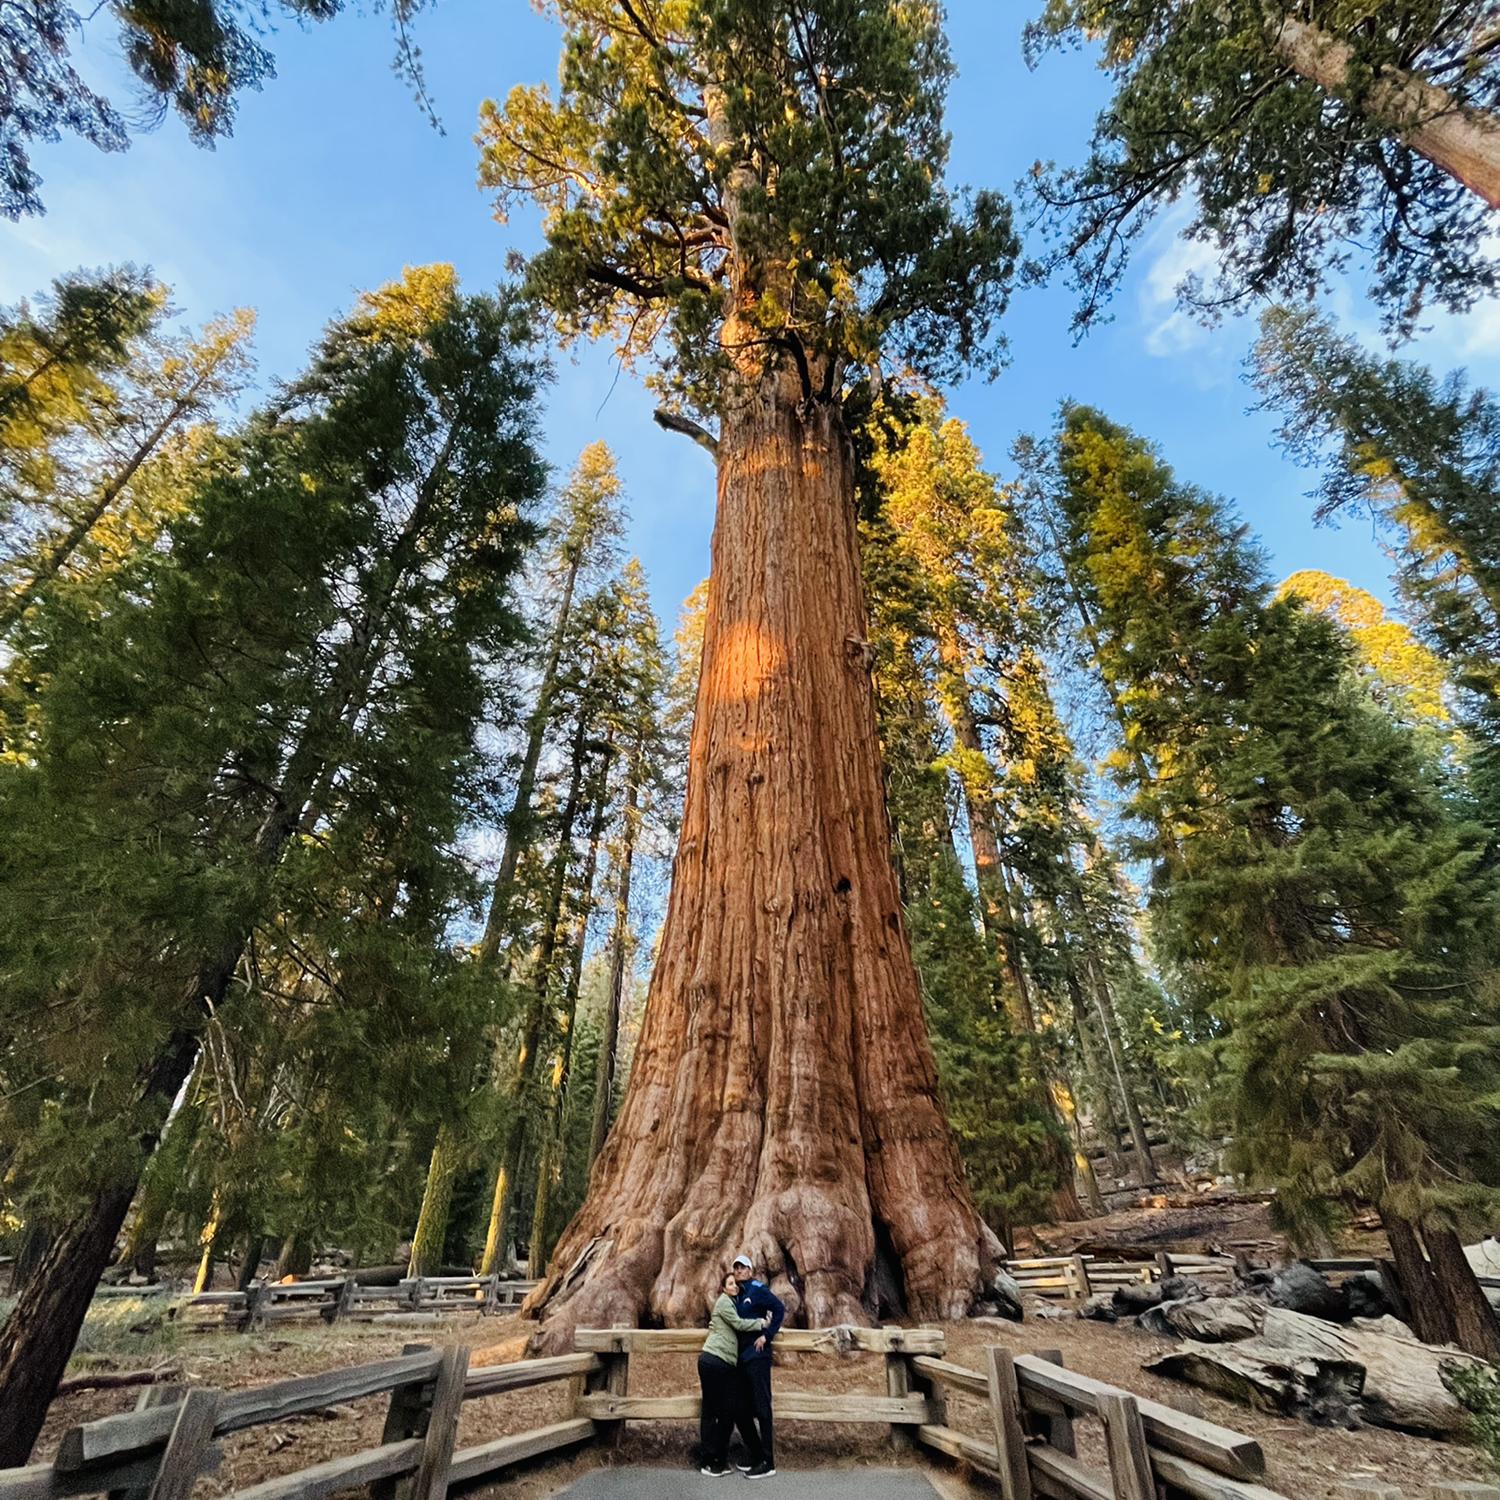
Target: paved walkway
<point x="789" y="1484"/>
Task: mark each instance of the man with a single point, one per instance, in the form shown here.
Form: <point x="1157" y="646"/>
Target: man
<point x="756" y="1300"/>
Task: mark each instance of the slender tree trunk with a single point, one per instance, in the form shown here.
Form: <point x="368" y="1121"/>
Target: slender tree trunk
<point x="998" y="914"/>
<point x="549" y="1155"/>
<point x="209" y="1239"/>
<point x="783" y="1094"/>
<point x="56" y="557"/>
<point x="250" y="1266"/>
<point x="518" y="822"/>
<point x="619" y="948"/>
<point x="507" y="1176"/>
<point x="1104" y="1008"/>
<point x="295" y="1256"/>
<point x="1463" y="142"/>
<point x="437" y="1198"/>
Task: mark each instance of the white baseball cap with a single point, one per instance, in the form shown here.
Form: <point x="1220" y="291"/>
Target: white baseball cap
<point x="743" y="1260"/>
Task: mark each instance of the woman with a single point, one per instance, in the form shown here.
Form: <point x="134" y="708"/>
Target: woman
<point x="719" y="1378"/>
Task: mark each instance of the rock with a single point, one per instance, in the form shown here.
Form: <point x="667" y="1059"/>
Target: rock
<point x="1390" y="1325"/>
<point x="1210" y="1320"/>
<point x="1327" y="1373"/>
<point x="1005" y="1293"/>
<point x="1047" y="1310"/>
<point x="1100" y="1308"/>
<point x="1181" y="1289"/>
<point x="1365" y="1296"/>
<point x="1128" y="1301"/>
<point x="1300" y="1289"/>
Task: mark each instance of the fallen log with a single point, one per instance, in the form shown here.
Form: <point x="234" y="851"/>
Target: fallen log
<point x="1211" y="1320"/>
<point x="1328" y="1372"/>
<point x="113" y="1380"/>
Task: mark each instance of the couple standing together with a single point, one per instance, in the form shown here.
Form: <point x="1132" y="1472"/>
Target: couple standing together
<point x="734" y="1370"/>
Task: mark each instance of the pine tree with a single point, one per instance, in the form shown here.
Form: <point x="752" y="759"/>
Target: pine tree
<point x="1420" y="456"/>
<point x="751" y="196"/>
<point x="304" y="652"/>
<point x="1297" y="133"/>
<point x="1315" y="888"/>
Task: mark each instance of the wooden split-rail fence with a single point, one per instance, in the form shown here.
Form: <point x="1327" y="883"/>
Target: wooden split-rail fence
<point x="1019" y="1420"/>
<point x="333" y="1300"/>
<point x="1076" y="1278"/>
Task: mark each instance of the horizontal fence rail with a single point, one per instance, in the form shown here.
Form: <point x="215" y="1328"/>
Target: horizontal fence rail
<point x="1075" y="1278"/>
<point x="1029" y="1406"/>
<point x="337" y="1299"/>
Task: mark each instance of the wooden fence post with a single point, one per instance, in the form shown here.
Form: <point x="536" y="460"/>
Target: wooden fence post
<point x="898" y="1383"/>
<point x="1125" y="1439"/>
<point x="1005" y="1412"/>
<point x="1163" y="1264"/>
<point x="1078" y="1273"/>
<point x="937" y="1398"/>
<point x="338" y="1309"/>
<point x="183" y="1456"/>
<point x="613" y="1378"/>
<point x="1056" y="1429"/>
<point x="153" y="1396"/>
<point x="403" y="1419"/>
<point x="257" y="1300"/>
<point x="491" y="1294"/>
<point x="431" y="1479"/>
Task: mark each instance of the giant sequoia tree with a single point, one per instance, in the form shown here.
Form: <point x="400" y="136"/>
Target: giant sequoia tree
<point x="750" y="192"/>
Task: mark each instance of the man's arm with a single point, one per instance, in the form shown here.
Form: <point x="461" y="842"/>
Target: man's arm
<point x="777" y="1309"/>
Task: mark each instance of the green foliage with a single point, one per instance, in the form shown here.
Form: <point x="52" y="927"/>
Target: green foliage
<point x="259" y="735"/>
<point x="192" y="56"/>
<point x="1288" y="179"/>
<point x="1312" y="887"/>
<point x="1478" y="1390"/>
<point x="777" y="166"/>
<point x="1421" y="456"/>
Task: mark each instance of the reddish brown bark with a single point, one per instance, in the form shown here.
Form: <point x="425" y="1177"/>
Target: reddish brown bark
<point x="783" y="1096"/>
<point x="1445" y="1302"/>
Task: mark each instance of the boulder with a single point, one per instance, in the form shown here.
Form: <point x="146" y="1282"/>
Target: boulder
<point x="1366" y="1296"/>
<point x="1005" y="1293"/>
<point x="1181" y="1289"/>
<point x="1300" y="1289"/>
<point x="1100" y="1308"/>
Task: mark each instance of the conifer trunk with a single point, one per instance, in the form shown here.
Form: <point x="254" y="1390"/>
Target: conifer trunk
<point x="549" y="1156"/>
<point x="619" y="943"/>
<point x="42" y="1328"/>
<point x="998" y="914"/>
<point x="1463" y="142"/>
<point x="1145" y="1164"/>
<point x="508" y="1174"/>
<point x="783" y="1095"/>
<point x="1446" y="1303"/>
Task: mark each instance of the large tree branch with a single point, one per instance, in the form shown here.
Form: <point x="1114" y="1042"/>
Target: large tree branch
<point x="671" y="421"/>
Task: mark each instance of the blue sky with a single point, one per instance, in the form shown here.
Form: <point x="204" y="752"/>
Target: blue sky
<point x="333" y="181"/>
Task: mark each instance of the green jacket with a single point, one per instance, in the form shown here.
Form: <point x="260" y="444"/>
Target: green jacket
<point x="723" y="1325"/>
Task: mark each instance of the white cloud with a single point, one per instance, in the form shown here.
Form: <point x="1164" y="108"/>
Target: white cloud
<point x="1171" y="330"/>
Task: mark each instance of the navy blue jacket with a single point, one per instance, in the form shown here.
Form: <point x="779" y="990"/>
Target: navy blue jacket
<point x="755" y="1301"/>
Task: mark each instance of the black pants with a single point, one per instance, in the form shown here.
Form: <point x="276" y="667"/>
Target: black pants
<point x="754" y="1415"/>
<point x="721" y="1394"/>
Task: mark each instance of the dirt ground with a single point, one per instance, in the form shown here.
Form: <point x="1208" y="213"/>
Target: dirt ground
<point x="1303" y="1462"/>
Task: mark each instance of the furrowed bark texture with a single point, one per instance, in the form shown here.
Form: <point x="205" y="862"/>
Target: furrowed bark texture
<point x="783" y="1097"/>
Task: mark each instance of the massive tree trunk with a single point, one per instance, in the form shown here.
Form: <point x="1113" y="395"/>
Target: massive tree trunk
<point x="1445" y="1303"/>
<point x="783" y="1097"/>
<point x="1464" y="143"/>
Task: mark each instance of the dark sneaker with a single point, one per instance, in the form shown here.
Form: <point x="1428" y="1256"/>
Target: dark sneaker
<point x="715" y="1471"/>
<point x="761" y="1471"/>
<point x="745" y="1468"/>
